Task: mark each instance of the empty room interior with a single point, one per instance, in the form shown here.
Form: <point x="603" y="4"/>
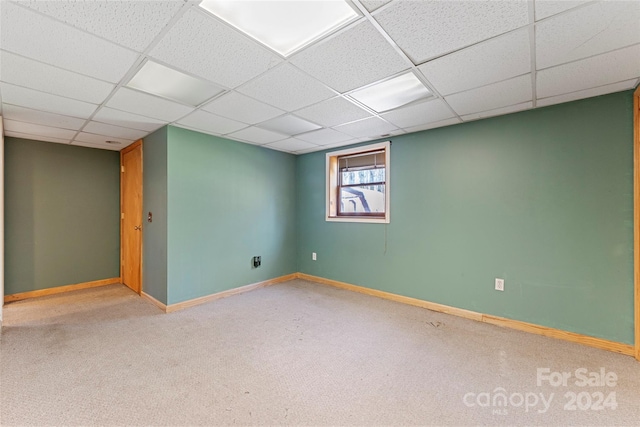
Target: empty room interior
<point x="338" y="212"/>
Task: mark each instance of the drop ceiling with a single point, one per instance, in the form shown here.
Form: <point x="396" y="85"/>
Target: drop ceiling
<point x="66" y="68"/>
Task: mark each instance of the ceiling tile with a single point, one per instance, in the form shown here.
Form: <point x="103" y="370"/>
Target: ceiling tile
<point x="333" y="112"/>
<point x="434" y="125"/>
<point x="499" y="111"/>
<point x="291" y="144"/>
<point x="324" y="137"/>
<point x="46" y="78"/>
<point x="204" y="46"/>
<point x="116" y="131"/>
<point x="127" y="120"/>
<point x="211" y="123"/>
<point x="35" y="137"/>
<point x="37" y="100"/>
<point x="588" y="93"/>
<point x="35" y="36"/>
<point x="289" y="125"/>
<point x="148" y="105"/>
<point x="546" y="8"/>
<point x="490" y="97"/>
<point x="130" y="23"/>
<point x="587" y="31"/>
<point x="488" y="62"/>
<point x="239" y="107"/>
<point x="419" y="114"/>
<point x="353" y="58"/>
<point x="111" y="147"/>
<point x="21" y="114"/>
<point x="368" y="128"/>
<point x="34" y="129"/>
<point x="92" y="138"/>
<point x="612" y="67"/>
<point x="286" y="87"/>
<point x="257" y="136"/>
<point x="372" y="5"/>
<point x="429" y="28"/>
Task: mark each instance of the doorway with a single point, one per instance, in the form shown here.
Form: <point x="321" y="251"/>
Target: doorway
<point x="131" y="216"/>
<point x="636" y="216"/>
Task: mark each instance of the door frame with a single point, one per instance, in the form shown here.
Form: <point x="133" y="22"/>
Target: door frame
<point x="636" y="218"/>
<point x="124" y="151"/>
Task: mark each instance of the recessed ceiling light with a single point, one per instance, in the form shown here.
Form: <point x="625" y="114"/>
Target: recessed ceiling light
<point x="284" y="26"/>
<point x="168" y="83"/>
<point x="392" y="93"/>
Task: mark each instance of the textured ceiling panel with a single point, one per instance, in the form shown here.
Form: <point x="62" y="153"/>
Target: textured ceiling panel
<point x="419" y="114"/>
<point x="204" y="46"/>
<point x="324" y="137"/>
<point x="497" y="95"/>
<point x="133" y="24"/>
<point x="34" y="129"/>
<point x="333" y="112"/>
<point x="587" y="31"/>
<point x="372" y="5"/>
<point x="211" y="123"/>
<point x="488" y="62"/>
<point x="46" y="78"/>
<point x="429" y="28"/>
<point x="442" y="123"/>
<point x="588" y="93"/>
<point x="354" y="58"/>
<point x="499" y="111"/>
<point x="117" y="131"/>
<point x="546" y="8"/>
<point x="368" y="128"/>
<point x="128" y="120"/>
<point x="257" y="136"/>
<point x="140" y="103"/>
<point x="100" y="146"/>
<point x="45" y="138"/>
<point x="287" y="88"/>
<point x="612" y="67"/>
<point x="242" y="108"/>
<point x="291" y="144"/>
<point x="37" y="100"/>
<point x="92" y="138"/>
<point x="21" y="114"/>
<point x="38" y="37"/>
<point x="289" y="124"/>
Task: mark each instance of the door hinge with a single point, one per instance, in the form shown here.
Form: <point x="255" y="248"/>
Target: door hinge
<point x="122" y="215"/>
<point x="122" y="169"/>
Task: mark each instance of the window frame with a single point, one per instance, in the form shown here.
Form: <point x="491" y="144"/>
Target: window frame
<point x="333" y="187"/>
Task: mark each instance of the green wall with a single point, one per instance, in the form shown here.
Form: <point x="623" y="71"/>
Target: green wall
<point x="154" y="194"/>
<point x="542" y="198"/>
<point x="225" y="202"/>
<point x="61" y="215"/>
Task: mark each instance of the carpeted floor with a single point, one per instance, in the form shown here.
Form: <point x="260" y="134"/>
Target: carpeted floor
<point x="295" y="353"/>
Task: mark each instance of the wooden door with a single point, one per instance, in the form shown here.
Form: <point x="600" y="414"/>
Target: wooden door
<point x="131" y="216"/>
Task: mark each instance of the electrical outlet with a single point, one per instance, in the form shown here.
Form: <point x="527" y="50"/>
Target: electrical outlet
<point x="313" y="256"/>
<point x="499" y="284"/>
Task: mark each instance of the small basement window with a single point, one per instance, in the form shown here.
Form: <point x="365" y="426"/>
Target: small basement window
<point x="358" y="184"/>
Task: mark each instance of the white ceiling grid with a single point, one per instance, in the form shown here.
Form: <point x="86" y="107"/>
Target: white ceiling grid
<point x="64" y="66"/>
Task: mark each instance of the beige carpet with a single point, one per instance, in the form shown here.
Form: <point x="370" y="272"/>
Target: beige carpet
<point x="296" y="353"/>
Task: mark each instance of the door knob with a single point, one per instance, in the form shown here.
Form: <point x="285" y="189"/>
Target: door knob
<point x="137" y="227"/>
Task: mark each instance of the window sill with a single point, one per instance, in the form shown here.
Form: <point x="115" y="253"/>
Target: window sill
<point x="358" y="219"/>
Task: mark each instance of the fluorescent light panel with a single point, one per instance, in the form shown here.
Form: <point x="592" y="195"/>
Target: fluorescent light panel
<point x="392" y="93"/>
<point x="284" y="26"/>
<point x="168" y="83"/>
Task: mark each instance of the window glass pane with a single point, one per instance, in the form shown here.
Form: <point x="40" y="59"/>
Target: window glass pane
<point x="362" y="199"/>
<point x="365" y="176"/>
